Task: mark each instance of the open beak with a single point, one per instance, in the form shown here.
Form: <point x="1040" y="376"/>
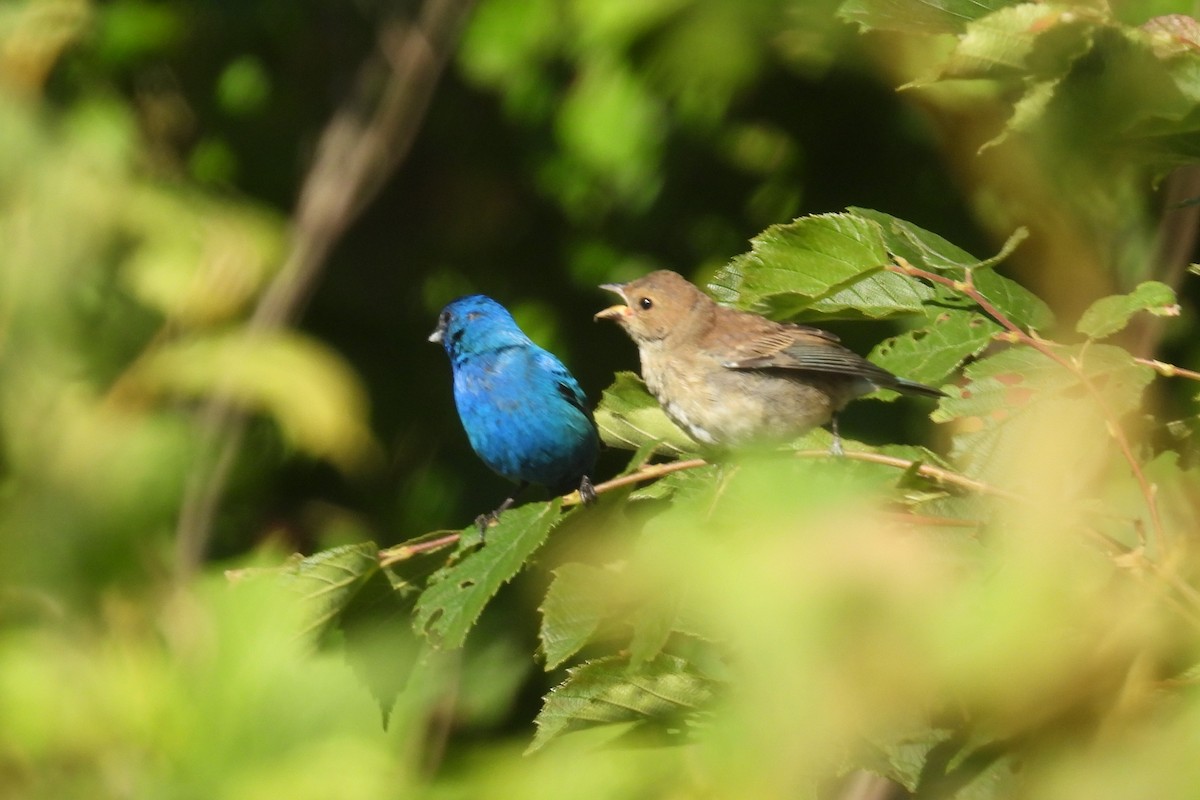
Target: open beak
<point x="618" y="311"/>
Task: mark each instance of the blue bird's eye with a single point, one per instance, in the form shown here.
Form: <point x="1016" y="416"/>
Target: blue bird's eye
<point x="646" y="303"/>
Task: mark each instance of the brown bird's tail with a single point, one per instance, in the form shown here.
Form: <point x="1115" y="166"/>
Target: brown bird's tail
<point x="912" y="387"/>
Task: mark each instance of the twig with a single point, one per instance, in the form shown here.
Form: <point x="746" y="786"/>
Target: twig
<point x="1168" y="370"/>
<point x="1017" y="334"/>
<point x="644" y="474"/>
<point x="935" y="474"/>
<point x="402" y="552"/>
<point x="359" y="149"/>
<point x="1175" y="241"/>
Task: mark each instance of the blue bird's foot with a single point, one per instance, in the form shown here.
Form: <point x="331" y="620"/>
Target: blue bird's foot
<point x="587" y="492"/>
<point x="485" y="521"/>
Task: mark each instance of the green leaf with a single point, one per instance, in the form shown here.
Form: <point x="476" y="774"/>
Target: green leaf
<point x="926" y="249"/>
<point x="1108" y="315"/>
<point x="456" y="596"/>
<point x="1027" y="38"/>
<point x="609" y="691"/>
<point x="629" y="417"/>
<point x="313" y="395"/>
<point x="932" y="352"/>
<point x="578" y="601"/>
<point x="878" y="295"/>
<point x="930" y="252"/>
<point x="1014" y="386"/>
<point x="791" y="265"/>
<point x="918" y="16"/>
<point x="348" y="591"/>
<point x="1012" y="299"/>
<point x="653" y="623"/>
<point x="329" y="581"/>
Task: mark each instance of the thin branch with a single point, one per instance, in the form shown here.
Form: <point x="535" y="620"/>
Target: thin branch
<point x="936" y="474"/>
<point x="1168" y="370"/>
<point x="358" y="151"/>
<point x="1017" y="334"/>
<point x="404" y="551"/>
<point x="1175" y="242"/>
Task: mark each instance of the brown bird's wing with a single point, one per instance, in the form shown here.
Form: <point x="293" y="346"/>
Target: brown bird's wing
<point x="799" y="347"/>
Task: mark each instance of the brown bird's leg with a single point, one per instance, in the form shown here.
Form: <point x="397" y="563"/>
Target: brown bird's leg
<point x="483" y="521"/>
<point x="836" y="447"/>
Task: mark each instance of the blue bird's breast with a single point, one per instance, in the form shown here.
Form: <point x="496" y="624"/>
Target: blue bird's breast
<point x="521" y="412"/>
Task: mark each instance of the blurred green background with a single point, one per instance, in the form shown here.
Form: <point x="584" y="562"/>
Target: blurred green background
<point x="151" y="156"/>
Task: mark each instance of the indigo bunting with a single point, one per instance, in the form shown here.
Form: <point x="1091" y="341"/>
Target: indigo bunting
<point x="728" y="377"/>
<point x="524" y="413"/>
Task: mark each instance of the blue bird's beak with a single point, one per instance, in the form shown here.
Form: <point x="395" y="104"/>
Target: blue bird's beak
<point x="439" y="331"/>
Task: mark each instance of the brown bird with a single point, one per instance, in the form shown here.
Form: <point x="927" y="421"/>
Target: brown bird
<point x="730" y="377"/>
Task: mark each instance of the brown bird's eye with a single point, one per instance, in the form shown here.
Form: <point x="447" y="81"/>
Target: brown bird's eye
<point x="646" y="303"/>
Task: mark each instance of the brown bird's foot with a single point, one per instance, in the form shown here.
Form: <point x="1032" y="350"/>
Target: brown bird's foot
<point x="835" y="448"/>
<point x="485" y="521"/>
<point x="587" y="492"/>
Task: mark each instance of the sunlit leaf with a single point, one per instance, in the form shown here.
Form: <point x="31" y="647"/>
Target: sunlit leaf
<point x="609" y="691"/>
<point x="309" y="391"/>
<point x="346" y="590"/>
<point x="791" y="265"/>
<point x="930" y="353"/>
<point x="1017" y="384"/>
<point x="629" y="417"/>
<point x="919" y="16"/>
<point x="1108" y="315"/>
<point x="330" y="580"/>
<point x="578" y="600"/>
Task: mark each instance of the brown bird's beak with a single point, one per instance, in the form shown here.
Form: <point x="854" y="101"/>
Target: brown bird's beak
<point x="614" y="312"/>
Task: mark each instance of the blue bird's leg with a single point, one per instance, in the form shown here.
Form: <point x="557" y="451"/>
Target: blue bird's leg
<point x="484" y="521"/>
<point x="587" y="492"/>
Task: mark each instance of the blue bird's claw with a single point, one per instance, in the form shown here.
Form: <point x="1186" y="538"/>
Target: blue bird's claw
<point x="587" y="492"/>
<point x="485" y="521"/>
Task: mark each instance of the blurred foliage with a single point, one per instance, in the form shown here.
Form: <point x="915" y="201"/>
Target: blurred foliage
<point x="1009" y="608"/>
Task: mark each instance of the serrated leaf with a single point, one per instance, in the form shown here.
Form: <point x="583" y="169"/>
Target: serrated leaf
<point x="1038" y="39"/>
<point x="918" y="16"/>
<point x="930" y="353"/>
<point x="329" y="581"/>
<point x="878" y="295"/>
<point x="609" y="691"/>
<point x="902" y="758"/>
<point x="653" y="624"/>
<point x="630" y="418"/>
<point x="1110" y="314"/>
<point x="929" y="251"/>
<point x="349" y="591"/>
<point x="313" y="395"/>
<point x="1015" y="301"/>
<point x="579" y="599"/>
<point x="791" y="265"/>
<point x="456" y="595"/>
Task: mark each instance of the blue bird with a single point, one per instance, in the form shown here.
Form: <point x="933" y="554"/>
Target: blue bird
<point x="523" y="411"/>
